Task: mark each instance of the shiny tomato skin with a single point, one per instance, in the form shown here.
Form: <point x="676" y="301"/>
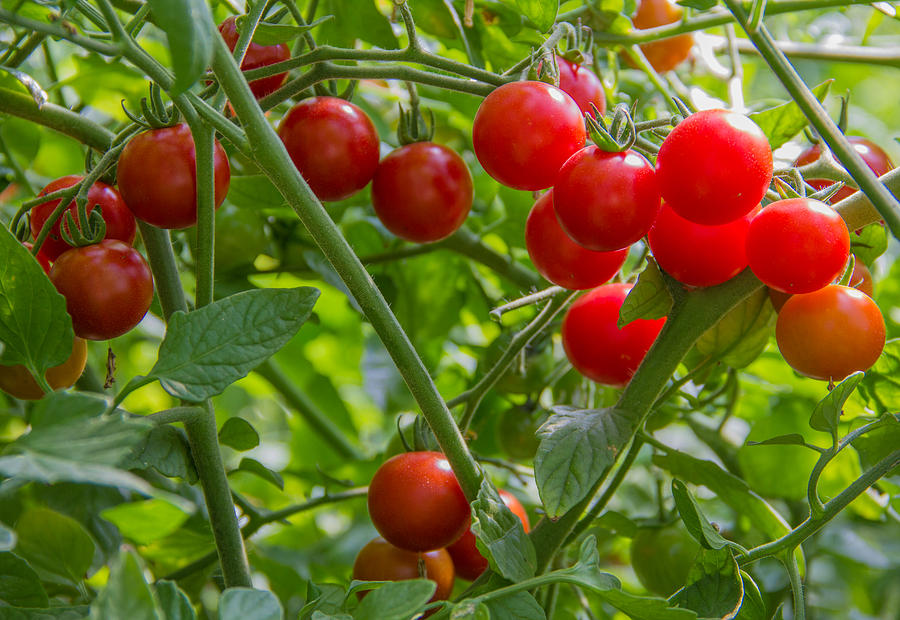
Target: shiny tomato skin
<point x="257" y="56"/>
<point x="860" y="279"/>
<point x="714" y="167"/>
<point x="108" y="288"/>
<point x="379" y="560"/>
<point x="798" y="245"/>
<point x="416" y="503"/>
<point x="582" y="85"/>
<point x="18" y="382"/>
<point x="119" y="220"/>
<point x="666" y="54"/>
<point x="595" y="345"/>
<point x="467" y="559"/>
<point x="422" y="192"/>
<point x="41" y="258"/>
<point x="157" y="176"/>
<point x="699" y="255"/>
<point x="525" y="131"/>
<point x="877" y="160"/>
<point x="830" y="333"/>
<point x="606" y="201"/>
<point x="561" y="260"/>
<point x="333" y="144"/>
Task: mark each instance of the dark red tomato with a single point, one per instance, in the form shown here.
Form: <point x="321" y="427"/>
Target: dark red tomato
<point x="877" y="160"/>
<point x="525" y="131"/>
<point x="257" y="56"/>
<point x="714" y="167"/>
<point x="582" y="85"/>
<point x="860" y="279"/>
<point x="416" y="503"/>
<point x="798" y="245"/>
<point x="666" y="54"/>
<point x="699" y="255"/>
<point x="830" y="333"/>
<point x="595" y="345"/>
<point x="119" y="220"/>
<point x="157" y="176"/>
<point x="422" y="192"/>
<point x="561" y="260"/>
<point x="18" y="382"/>
<point x="334" y="145"/>
<point x="467" y="559"/>
<point x="381" y="561"/>
<point x="606" y="201"/>
<point x="108" y="288"/>
<point x="42" y="260"/>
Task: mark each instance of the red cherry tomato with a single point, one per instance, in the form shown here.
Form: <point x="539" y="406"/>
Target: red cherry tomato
<point x="257" y="56"/>
<point x="582" y="85"/>
<point x="561" y="260"/>
<point x="108" y="288"/>
<point x="381" y="561"/>
<point x="422" y="192"/>
<point x="467" y="559"/>
<point x="666" y="54"/>
<point x="595" y="345"/>
<point x="877" y="160"/>
<point x="606" y="201"/>
<point x="798" y="245"/>
<point x="714" y="167"/>
<point x="830" y="333"/>
<point x="119" y="220"/>
<point x="42" y="260"/>
<point x="157" y="176"/>
<point x="525" y="131"/>
<point x="416" y="503"/>
<point x="699" y="255"/>
<point x="334" y="145"/>
<point x="18" y="382"/>
<point x="860" y="279"/>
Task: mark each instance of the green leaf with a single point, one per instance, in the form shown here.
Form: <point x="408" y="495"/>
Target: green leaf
<point x="355" y="19"/>
<point x="648" y="299"/>
<point x="126" y="594"/>
<point x="542" y="13"/>
<point x="869" y="242"/>
<point x="77" y="612"/>
<point x="54" y="543"/>
<point x="20" y="586"/>
<point x="247" y="604"/>
<point x="516" y="606"/>
<point x="878" y="443"/>
<point x="500" y="537"/>
<point x="616" y="523"/>
<point x="395" y="601"/>
<point x="174" y="603"/>
<point x="742" y="334"/>
<point x="252" y="466"/>
<point x="66" y="407"/>
<point x="752" y="607"/>
<point x="165" y="449"/>
<point x="7" y="538"/>
<point x="209" y="349"/>
<point x="189" y="30"/>
<point x="715" y="588"/>
<point x="790" y="439"/>
<point x="881" y="386"/>
<point x="826" y="415"/>
<point x="696" y="522"/>
<point x="700" y="5"/>
<point x="145" y="521"/>
<point x="275" y="34"/>
<point x="237" y="433"/>
<point x="785" y="121"/>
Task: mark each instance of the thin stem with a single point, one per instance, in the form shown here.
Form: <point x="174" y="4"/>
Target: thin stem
<point x="161" y="258"/>
<point x="57" y="118"/>
<point x="107" y="49"/>
<point x="885" y="56"/>
<point x="790" y="562"/>
<point x="528" y="300"/>
<point x="468" y="244"/>
<point x="204" y="267"/>
<point x="176" y="414"/>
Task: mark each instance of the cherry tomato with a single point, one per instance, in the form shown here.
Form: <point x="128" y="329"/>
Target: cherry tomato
<point x="525" y="131"/>
<point x="606" y="201"/>
<point x="18" y="382"/>
<point x="595" y="345"/>
<point x="877" y="160"/>
<point x="830" y="333"/>
<point x="381" y="561"/>
<point x="582" y="85"/>
<point x="666" y="54"/>
<point x="662" y="557"/>
<point x="416" y="503"/>
<point x="42" y="260"/>
<point x="158" y="176"/>
<point x="699" y="255"/>
<point x="257" y="56"/>
<point x="108" y="288"/>
<point x="714" y="167"/>
<point x="119" y="220"/>
<point x="467" y="559"/>
<point x="561" y="260"/>
<point x="798" y="245"/>
<point x="334" y="145"/>
<point x="422" y="192"/>
<point x="860" y="279"/>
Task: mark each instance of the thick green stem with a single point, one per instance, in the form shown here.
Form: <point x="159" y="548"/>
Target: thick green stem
<point x="790" y="562"/>
<point x="204" y="138"/>
<point x="161" y="257"/>
<point x="57" y="118"/>
<point x="886" y="56"/>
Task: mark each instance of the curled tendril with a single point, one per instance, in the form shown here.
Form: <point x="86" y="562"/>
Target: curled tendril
<point x="619" y="135"/>
<point x="90" y="229"/>
<point x="413" y="127"/>
<point x="154" y="114"/>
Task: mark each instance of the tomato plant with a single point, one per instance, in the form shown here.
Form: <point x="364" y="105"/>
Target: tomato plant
<point x="662" y="557"/>
<point x="18" y="382"/>
<point x="379" y="560"/>
<point x="516" y="431"/>
<point x="667" y="54"/>
<point x="257" y="56"/>
<point x="873" y="155"/>
<point x="582" y="85"/>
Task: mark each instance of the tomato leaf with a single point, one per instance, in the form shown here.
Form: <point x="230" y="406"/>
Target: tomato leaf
<point x="174" y="603"/>
<point x="165" y="449"/>
<point x="237" y="433"/>
<point x="881" y="385"/>
<point x="127" y="594"/>
<point x="518" y="606"/>
<point x="869" y="242"/>
<point x="252" y="466"/>
<point x="247" y="604"/>
<point x="355" y="19"/>
<point x="785" y="121"/>
<point x="189" y="31"/>
<point x="827" y="413"/>
<point x="879" y="442"/>
<point x="715" y="588"/>
<point x="541" y="13"/>
<point x="696" y="522"/>
<point x="275" y="34"/>
<point x="742" y="334"/>
<point x="700" y="5"/>
<point x="752" y="606"/>
<point x="146" y="521"/>
<point x="395" y="601"/>
<point x="791" y="439"/>
<point x="648" y="299"/>
<point x="500" y="537"/>
<point x="20" y="586"/>
<point x="54" y="543"/>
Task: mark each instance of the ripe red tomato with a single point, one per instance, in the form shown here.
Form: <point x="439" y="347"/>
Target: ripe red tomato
<point x="333" y="143"/>
<point x="877" y="160"/>
<point x="595" y="345"/>
<point x="860" y="279"/>
<point x="108" y="288"/>
<point x="798" y="245"/>
<point x="666" y="54"/>
<point x="422" y="192"/>
<point x="416" y="503"/>
<point x="119" y="220"/>
<point x="18" y="382"/>
<point x="257" y="56"/>
<point x="582" y="85"/>
<point x="467" y="559"/>
<point x="714" y="167"/>
<point x="381" y="561"/>
<point x="561" y="260"/>
<point x="42" y="260"/>
<point x="606" y="201"/>
<point x="830" y="333"/>
<point x="699" y="255"/>
<point x="525" y="131"/>
<point x="157" y="176"/>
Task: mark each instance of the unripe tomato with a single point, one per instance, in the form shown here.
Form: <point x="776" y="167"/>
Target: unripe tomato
<point x="877" y="160"/>
<point x="525" y="131"/>
<point x="830" y="333"/>
<point x="257" y="56"/>
<point x="666" y="54"/>
<point x="662" y="557"/>
<point x="18" y="382"/>
<point x="416" y="503"/>
<point x="860" y="279"/>
<point x="714" y="167"/>
<point x="157" y="176"/>
<point x="381" y="561"/>
<point x="333" y="143"/>
<point x="582" y="85"/>
<point x="119" y="220"/>
<point x="422" y="192"/>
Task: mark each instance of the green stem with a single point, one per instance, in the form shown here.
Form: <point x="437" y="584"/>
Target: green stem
<point x="57" y="118"/>
<point x="204" y="139"/>
<point x="60" y="32"/>
<point x="176" y="414"/>
<point x="790" y="562"/>
<point x="551" y="291"/>
<point x="468" y="244"/>
<point x="885" y="56"/>
<point x="166" y="278"/>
